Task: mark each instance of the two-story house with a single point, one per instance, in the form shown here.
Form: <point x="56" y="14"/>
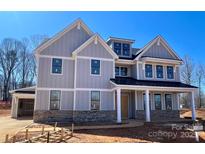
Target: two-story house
<point x="83" y="78"/>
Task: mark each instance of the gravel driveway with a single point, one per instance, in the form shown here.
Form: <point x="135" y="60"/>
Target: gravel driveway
<point x="11" y="126"/>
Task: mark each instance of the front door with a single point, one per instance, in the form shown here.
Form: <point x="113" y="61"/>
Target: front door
<point x="124" y="106"/>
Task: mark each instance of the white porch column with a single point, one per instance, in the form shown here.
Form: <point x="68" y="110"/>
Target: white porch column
<point x="119" y="105"/>
<point x="178" y="101"/>
<point x="193" y="106"/>
<point x="147" y="107"/>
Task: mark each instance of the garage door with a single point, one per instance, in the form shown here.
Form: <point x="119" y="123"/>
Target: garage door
<point x="25" y="107"/>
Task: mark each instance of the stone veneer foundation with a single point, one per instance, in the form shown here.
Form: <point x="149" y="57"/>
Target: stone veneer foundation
<point x="158" y="115"/>
<point x="76" y="116"/>
<point x="100" y="116"/>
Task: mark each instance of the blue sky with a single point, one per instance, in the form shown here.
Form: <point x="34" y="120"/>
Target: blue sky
<point x="184" y="31"/>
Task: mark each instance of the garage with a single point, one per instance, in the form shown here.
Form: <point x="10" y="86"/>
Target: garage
<point x="23" y="102"/>
<point x="25" y="107"/>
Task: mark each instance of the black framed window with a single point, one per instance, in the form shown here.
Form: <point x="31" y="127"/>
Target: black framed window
<point x="117" y="71"/>
<point x="95" y="100"/>
<point x="56" y="66"/>
<point x="126" y="49"/>
<point x="168" y="101"/>
<point x="123" y="71"/>
<point x="55" y="99"/>
<point x="95" y="67"/>
<point x="117" y="48"/>
<point x="148" y="70"/>
<point x="170" y="72"/>
<point x="159" y="70"/>
<point x="157" y="100"/>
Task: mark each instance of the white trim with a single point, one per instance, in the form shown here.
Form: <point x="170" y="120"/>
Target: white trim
<point x="60" y="57"/>
<point x="123" y="61"/>
<point x="51" y="67"/>
<point x="24" y="95"/>
<point x="114" y="100"/>
<point x="147" y="105"/>
<point x="97" y="75"/>
<point x="61" y="33"/>
<point x="161" y="60"/>
<point x="75" y="82"/>
<point x="100" y="40"/>
<point x="76" y="89"/>
<point x="138" y="76"/>
<point x="62" y="89"/>
<point x="113" y="39"/>
<point x="97" y="58"/>
<point x="23" y="89"/>
<point x="119" y="116"/>
<point x="113" y="70"/>
<point x="193" y="106"/>
<point x="93" y="89"/>
<point x="136" y="100"/>
<point x="153" y="88"/>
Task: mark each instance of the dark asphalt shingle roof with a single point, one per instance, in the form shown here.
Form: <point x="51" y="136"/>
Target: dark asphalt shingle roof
<point x="132" y="81"/>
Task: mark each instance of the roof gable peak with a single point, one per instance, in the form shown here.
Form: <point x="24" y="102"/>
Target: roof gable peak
<point x="77" y="23"/>
<point x="159" y="40"/>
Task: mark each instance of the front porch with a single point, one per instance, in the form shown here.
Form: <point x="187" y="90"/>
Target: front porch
<point x="151" y="103"/>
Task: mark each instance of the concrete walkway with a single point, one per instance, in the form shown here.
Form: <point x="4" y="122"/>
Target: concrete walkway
<point x="10" y="126"/>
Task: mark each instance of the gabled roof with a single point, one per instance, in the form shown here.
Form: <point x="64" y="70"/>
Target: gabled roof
<point x="95" y="38"/>
<point x="77" y="22"/>
<point x="29" y="90"/>
<point x="152" y="42"/>
<point x="119" y="39"/>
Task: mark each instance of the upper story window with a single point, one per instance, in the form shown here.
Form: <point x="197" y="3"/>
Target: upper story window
<point x="126" y="49"/>
<point x="170" y="72"/>
<point x="55" y="99"/>
<point x="159" y="69"/>
<point x="121" y="71"/>
<point x="117" y="48"/>
<point x="95" y="100"/>
<point x="95" y="67"/>
<point x="148" y="71"/>
<point x="56" y="66"/>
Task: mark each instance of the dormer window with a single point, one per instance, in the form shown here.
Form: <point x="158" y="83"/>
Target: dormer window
<point x="126" y="49"/>
<point x="117" y="48"/>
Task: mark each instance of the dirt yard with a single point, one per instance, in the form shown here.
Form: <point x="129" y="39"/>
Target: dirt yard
<point x="5" y="109"/>
<point x="149" y="133"/>
<point x="7" y="124"/>
<point x="186" y="113"/>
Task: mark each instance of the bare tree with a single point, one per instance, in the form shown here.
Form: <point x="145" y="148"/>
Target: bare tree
<point x="9" y="49"/>
<point x="200" y="77"/>
<point x="187" y="77"/>
<point x="187" y="71"/>
<point x="35" y="41"/>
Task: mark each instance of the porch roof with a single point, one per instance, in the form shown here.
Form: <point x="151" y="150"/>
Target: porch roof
<point x="134" y="82"/>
